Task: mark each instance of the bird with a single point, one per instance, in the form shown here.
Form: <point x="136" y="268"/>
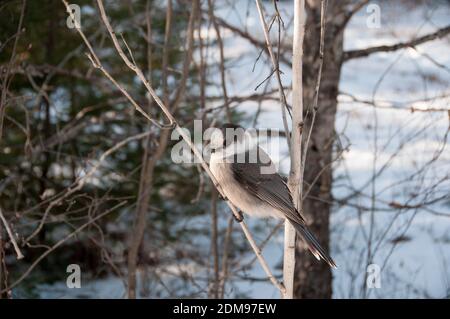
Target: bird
<point x="250" y="181"/>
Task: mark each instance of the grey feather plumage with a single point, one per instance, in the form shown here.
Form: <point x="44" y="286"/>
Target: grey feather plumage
<point x="272" y="189"/>
<point x="250" y="181"/>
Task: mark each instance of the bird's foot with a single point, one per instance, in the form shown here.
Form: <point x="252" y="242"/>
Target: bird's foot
<point x="239" y="218"/>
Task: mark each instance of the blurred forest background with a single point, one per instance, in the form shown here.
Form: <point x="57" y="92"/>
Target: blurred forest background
<point x="86" y="179"/>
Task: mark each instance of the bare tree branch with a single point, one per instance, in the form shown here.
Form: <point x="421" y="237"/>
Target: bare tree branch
<point x="58" y="244"/>
<point x="222" y="59"/>
<point x="295" y="181"/>
<point x="257" y="43"/>
<point x="6" y="80"/>
<point x="11" y="236"/>
<point x="355" y="54"/>
<point x="276" y="68"/>
<point x="186" y="138"/>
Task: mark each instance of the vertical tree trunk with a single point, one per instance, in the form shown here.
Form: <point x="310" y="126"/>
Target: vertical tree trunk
<point x="152" y="154"/>
<point x="45" y="106"/>
<point x="2" y="262"/>
<point x="295" y="174"/>
<point x="313" y="278"/>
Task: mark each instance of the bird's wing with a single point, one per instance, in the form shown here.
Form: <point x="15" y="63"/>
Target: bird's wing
<point x="261" y="180"/>
<point x="269" y="186"/>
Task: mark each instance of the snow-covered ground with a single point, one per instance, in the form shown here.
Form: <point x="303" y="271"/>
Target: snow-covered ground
<point x="406" y="141"/>
<point x="417" y="266"/>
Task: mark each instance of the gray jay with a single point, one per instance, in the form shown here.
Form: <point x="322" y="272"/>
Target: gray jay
<point x="250" y="181"/>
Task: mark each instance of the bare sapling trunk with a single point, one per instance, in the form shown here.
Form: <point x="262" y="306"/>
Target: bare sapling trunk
<point x="295" y="175"/>
<point x="313" y="279"/>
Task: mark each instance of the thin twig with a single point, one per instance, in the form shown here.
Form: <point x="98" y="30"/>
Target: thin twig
<point x="187" y="139"/>
<point x="59" y="243"/>
<point x="323" y="8"/>
<point x="276" y="67"/>
<point x="355" y="54"/>
<point x="226" y="255"/>
<point x="11" y="236"/>
<point x="80" y="182"/>
<point x="222" y="59"/>
<point x="6" y="81"/>
<point x="214" y="289"/>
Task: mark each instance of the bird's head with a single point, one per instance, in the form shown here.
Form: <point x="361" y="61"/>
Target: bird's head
<point x="230" y="139"/>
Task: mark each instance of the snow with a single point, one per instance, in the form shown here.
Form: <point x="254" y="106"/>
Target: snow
<point x="406" y="141"/>
<point x="416" y="266"/>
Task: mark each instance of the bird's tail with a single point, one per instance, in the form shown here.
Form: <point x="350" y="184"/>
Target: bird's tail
<point x="313" y="244"/>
